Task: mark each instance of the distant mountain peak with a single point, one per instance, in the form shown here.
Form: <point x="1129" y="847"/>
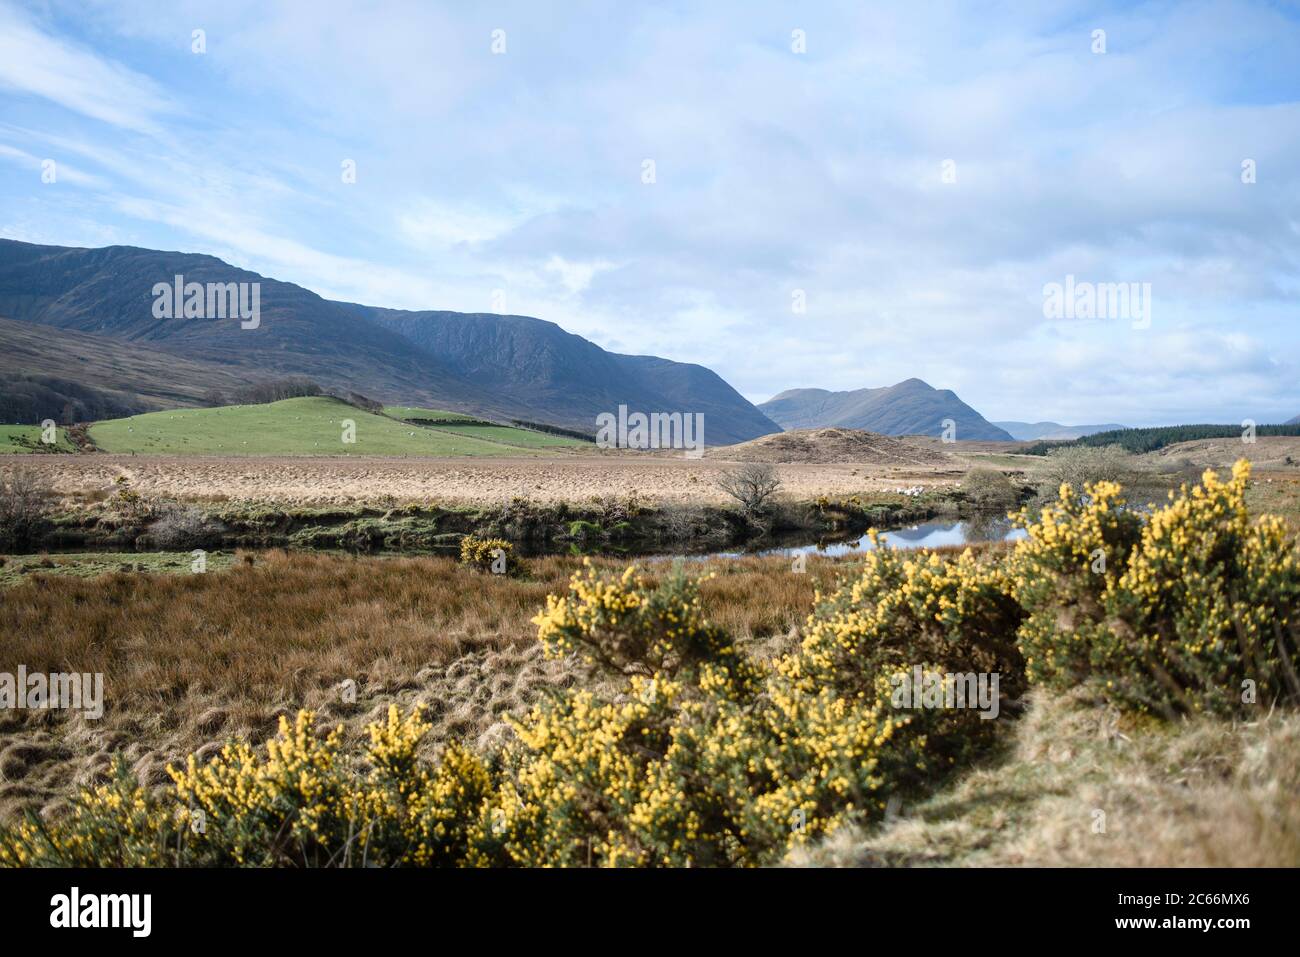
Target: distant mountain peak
<point x="909" y="407"/>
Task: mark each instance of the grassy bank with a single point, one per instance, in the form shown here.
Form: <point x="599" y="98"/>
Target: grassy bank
<point x="18" y="568"/>
<point x="1081" y="784"/>
<point x="125" y="520"/>
<point x="27" y="439"/>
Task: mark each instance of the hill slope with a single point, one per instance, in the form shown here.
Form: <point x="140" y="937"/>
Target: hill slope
<point x="830" y="447"/>
<point x="911" y="407"/>
<point x="108" y="292"/>
<point x="78" y="377"/>
<point x="496" y="366"/>
<point x="308" y="426"/>
<point x="541" y="365"/>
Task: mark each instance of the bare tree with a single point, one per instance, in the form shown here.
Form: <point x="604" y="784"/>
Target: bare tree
<point x="1080" y="465"/>
<point x="274" y="390"/>
<point x="22" y="507"/>
<point x="752" y="484"/>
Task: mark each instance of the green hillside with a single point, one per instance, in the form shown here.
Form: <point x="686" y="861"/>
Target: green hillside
<point x="478" y="429"/>
<point x="27" y="438"/>
<point x="306" y="426"/>
<point x="524" y="438"/>
<point x="415" y="413"/>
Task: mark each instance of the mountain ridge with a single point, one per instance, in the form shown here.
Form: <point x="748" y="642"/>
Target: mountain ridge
<point x="546" y="374"/>
<point x="910" y="407"/>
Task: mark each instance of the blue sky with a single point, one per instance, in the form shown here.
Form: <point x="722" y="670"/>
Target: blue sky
<point x="775" y="171"/>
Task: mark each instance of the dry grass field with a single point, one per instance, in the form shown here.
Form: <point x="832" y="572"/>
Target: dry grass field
<point x="1200" y="793"/>
<point x="190" y="660"/>
<point x="652" y="477"/>
<point x="336" y="481"/>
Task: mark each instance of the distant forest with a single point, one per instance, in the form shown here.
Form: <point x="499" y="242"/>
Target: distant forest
<point x="1149" y="440"/>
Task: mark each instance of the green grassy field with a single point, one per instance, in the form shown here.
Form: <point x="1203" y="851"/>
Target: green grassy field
<point x="524" y="438"/>
<point x="436" y="415"/>
<point x="476" y="429"/>
<point x="18" y="568"/>
<point x="27" y="438"/>
<point x="306" y="426"/>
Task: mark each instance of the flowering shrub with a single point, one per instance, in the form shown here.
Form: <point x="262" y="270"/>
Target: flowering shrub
<point x="626" y="628"/>
<point x="482" y="552"/>
<point x="908" y="609"/>
<point x="1060" y="574"/>
<point x="116" y="824"/>
<point x="1197" y="609"/>
<point x="706" y="758"/>
<point x="306" y="801"/>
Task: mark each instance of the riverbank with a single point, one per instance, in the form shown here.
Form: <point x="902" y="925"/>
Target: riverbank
<point x="127" y="521"/>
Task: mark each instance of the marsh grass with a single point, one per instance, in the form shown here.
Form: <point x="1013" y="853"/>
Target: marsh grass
<point x="190" y="660"/>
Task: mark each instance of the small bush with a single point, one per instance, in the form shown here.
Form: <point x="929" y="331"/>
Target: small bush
<point x="989" y="490"/>
<point x="182" y="527"/>
<point x="130" y="502"/>
<point x="483" y="552"/>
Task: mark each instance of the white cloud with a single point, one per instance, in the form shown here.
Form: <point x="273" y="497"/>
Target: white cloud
<point x="776" y="171"/>
<point x="34" y="62"/>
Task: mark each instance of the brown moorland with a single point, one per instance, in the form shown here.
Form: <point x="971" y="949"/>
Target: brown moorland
<point x="191" y="660"/>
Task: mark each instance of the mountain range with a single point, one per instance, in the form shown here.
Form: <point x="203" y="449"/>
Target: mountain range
<point x="911" y="407"/>
<point x="82" y="341"/>
<point x="1033" y="431"/>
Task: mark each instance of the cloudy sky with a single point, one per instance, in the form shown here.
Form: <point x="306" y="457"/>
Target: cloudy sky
<point x="915" y="173"/>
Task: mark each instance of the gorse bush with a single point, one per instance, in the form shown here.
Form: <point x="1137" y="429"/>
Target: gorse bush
<point x="305" y="801"/>
<point x="950" y="616"/>
<point x="1195" y="609"/>
<point x="686" y="751"/>
<point x="483" y="552"/>
<point x="705" y="757"/>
